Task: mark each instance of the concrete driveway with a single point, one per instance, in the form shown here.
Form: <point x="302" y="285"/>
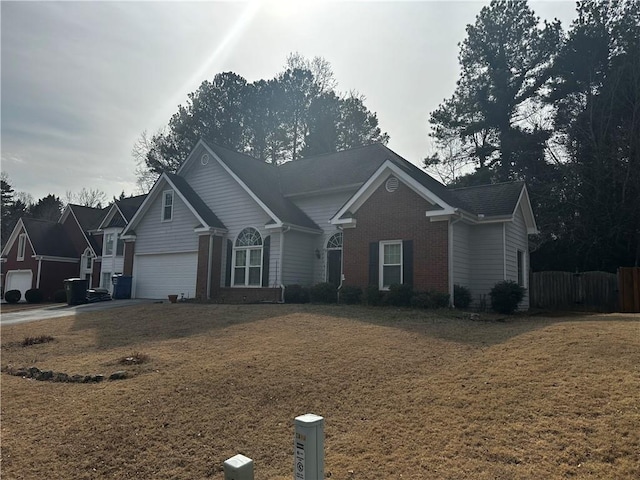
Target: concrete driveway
<point x="58" y="311"/>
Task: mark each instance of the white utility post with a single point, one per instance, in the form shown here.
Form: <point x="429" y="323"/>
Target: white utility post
<point x="238" y="467"/>
<point x="308" y="448"/>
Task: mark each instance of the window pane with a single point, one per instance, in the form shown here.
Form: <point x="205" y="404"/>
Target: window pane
<point x="119" y="246"/>
<point x="108" y="244"/>
<point x="167" y="213"/>
<point x="391" y="276"/>
<point x="168" y="199"/>
<point x="254" y="258"/>
<point x="241" y="258"/>
<point x="392" y="254"/>
<point x="238" y="279"/>
<point x="254" y="276"/>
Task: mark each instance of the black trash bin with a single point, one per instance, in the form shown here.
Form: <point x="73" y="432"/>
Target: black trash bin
<point x="121" y="286"/>
<point x="76" y="290"/>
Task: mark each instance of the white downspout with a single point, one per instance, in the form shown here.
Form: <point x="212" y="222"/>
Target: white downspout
<point x="209" y="267"/>
<point x="451" y="282"/>
<point x="281" y="261"/>
<point x="39" y="270"/>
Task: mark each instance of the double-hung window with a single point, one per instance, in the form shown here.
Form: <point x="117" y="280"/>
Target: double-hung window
<point x="390" y="264"/>
<point x="119" y="246"/>
<point x="22" y="246"/>
<point x="247" y="264"/>
<point x="167" y="205"/>
<point x="108" y="244"/>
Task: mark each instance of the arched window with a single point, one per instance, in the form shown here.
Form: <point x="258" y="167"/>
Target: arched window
<point x="335" y="241"/>
<point x="247" y="263"/>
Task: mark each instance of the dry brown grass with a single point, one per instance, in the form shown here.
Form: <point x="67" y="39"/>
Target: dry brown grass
<point x="405" y="394"/>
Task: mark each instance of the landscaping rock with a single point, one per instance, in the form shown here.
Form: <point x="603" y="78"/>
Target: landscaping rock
<point x="119" y="375"/>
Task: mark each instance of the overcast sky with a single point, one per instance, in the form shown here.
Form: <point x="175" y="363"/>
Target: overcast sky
<point x="82" y="80"/>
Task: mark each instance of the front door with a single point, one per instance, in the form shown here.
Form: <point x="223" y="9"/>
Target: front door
<point x="334" y="267"/>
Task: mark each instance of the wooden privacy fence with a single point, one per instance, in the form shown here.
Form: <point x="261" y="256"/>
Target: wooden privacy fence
<point x="629" y="289"/>
<point x="590" y="291"/>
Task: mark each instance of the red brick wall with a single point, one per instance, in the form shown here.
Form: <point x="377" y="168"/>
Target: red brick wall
<point x="216" y="269"/>
<point x="398" y="216"/>
<point x="203" y="267"/>
<point x="248" y="295"/>
<point x="27" y="264"/>
<point x="53" y="275"/>
<point x="129" y="250"/>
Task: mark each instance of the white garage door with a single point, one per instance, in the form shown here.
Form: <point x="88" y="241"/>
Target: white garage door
<point x="157" y="276"/>
<point x="19" y="280"/>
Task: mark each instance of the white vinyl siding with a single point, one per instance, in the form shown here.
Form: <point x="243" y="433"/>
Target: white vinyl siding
<point x="233" y="206"/>
<point x="155" y="236"/>
<point x="320" y="209"/>
<point x="299" y="257"/>
<point x="516" y="239"/>
<point x="487" y="259"/>
<point x="461" y="255"/>
<point x="157" y="276"/>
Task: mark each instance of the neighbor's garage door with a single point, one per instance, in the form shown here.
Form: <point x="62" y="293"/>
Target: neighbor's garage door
<point x="19" y="280"/>
<point x="157" y="276"/>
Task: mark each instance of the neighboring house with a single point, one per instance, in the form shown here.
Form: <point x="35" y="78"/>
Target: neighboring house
<point x="111" y="226"/>
<point x="228" y="227"/>
<point x="42" y="254"/>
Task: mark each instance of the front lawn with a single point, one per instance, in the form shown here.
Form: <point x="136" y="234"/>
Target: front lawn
<point x="404" y="393"/>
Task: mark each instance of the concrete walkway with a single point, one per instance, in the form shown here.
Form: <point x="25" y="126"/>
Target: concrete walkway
<point x="57" y="311"/>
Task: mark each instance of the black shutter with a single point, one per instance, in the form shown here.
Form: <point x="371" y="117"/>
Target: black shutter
<point x="265" y="261"/>
<point x="373" y="263"/>
<point x="407" y="262"/>
<point x="227" y="273"/>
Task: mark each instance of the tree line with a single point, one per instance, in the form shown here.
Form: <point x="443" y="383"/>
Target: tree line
<point x="15" y="205"/>
<point x="297" y="113"/>
<point x="560" y="110"/>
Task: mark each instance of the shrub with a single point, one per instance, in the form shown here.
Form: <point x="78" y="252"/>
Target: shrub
<point x="372" y="295"/>
<point x="60" y="296"/>
<point x="430" y="299"/>
<point x="33" y="295"/>
<point x="13" y="296"/>
<point x="399" y="295"/>
<point x="350" y="294"/>
<point x="296" y="294"/>
<point x="36" y="340"/>
<point x="505" y="296"/>
<point x="461" y="296"/>
<point x="323" y="293"/>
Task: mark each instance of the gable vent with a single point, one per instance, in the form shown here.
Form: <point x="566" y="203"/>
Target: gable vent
<point x="204" y="159"/>
<point x="391" y="184"/>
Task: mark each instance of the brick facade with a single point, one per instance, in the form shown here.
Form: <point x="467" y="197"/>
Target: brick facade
<point x="248" y="295"/>
<point x="398" y="216"/>
<point x="203" y="267"/>
<point x="129" y="251"/>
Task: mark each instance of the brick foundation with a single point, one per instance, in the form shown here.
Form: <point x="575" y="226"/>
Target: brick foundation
<point x="248" y="295"/>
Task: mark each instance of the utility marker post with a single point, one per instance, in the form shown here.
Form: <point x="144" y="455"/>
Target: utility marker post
<point x="308" y="448"/>
<point x="238" y="467"/>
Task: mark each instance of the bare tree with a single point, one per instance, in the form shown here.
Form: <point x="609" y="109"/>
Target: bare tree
<point x="93" y="198"/>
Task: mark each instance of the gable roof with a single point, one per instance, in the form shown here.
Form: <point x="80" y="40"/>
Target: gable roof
<point x="262" y="180"/>
<point x="206" y="218"/>
<point x="89" y="218"/>
<point x="121" y="212"/>
<point x="46" y="238"/>
<point x="499" y="199"/>
<point x="49" y="238"/>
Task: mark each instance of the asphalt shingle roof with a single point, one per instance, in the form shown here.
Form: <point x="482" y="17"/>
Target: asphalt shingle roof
<point x="195" y="201"/>
<point x="349" y="169"/>
<point x="490" y="200"/>
<point x="264" y="181"/>
<point x="49" y="238"/>
<point x="128" y="207"/>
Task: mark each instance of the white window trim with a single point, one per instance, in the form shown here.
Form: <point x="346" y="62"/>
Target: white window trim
<point x="246" y="267"/>
<point x="106" y="253"/>
<point x="22" y="246"/>
<point x="164" y="205"/>
<point x="381" y="264"/>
